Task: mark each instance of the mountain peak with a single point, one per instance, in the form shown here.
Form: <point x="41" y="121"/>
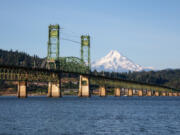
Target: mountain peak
<point x="113" y="53"/>
<point x="116" y="62"/>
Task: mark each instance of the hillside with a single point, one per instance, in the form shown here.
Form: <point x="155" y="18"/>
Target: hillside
<point x="170" y="78"/>
<point x="19" y="59"/>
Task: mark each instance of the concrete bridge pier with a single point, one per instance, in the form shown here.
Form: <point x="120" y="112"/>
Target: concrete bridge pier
<point x="163" y="93"/>
<point x="102" y="91"/>
<point x="84" y="90"/>
<point x="117" y="92"/>
<point x="145" y="92"/>
<point x="54" y="89"/>
<point x="170" y="94"/>
<point x="123" y="92"/>
<point x="140" y="93"/>
<point x="22" y="89"/>
<point x="149" y="93"/>
<point x="49" y="89"/>
<point x="156" y="93"/>
<point x="174" y="93"/>
<point x="130" y="92"/>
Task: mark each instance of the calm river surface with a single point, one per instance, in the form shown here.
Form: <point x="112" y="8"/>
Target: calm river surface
<point x="71" y="115"/>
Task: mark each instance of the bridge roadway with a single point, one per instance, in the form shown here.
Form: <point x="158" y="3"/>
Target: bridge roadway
<point x="53" y="77"/>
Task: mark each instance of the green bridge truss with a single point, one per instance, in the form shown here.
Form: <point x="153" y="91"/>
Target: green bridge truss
<point x="15" y="73"/>
<point x="71" y="64"/>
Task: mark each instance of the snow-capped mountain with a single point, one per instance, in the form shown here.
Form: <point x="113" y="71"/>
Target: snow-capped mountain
<point x="116" y="62"/>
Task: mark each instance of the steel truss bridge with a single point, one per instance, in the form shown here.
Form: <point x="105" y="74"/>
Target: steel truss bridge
<point x="55" y="66"/>
<point x="23" y="74"/>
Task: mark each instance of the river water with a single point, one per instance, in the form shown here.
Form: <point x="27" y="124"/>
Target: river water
<point x="71" y="115"/>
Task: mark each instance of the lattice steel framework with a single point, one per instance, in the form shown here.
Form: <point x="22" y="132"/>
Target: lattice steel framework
<point x="53" y="47"/>
<point x="15" y="73"/>
<point x="85" y="51"/>
<point x="73" y="64"/>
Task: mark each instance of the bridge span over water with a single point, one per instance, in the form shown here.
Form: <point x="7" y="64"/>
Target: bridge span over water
<point x="55" y="66"/>
<point x="22" y="75"/>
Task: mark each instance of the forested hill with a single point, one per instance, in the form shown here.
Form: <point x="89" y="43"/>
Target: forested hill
<point x="19" y="59"/>
<point x="170" y="78"/>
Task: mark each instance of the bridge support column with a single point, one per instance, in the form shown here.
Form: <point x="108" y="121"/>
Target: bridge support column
<point x="140" y="93"/>
<point x="170" y="94"/>
<point x="130" y="92"/>
<point x="49" y="89"/>
<point x="164" y="93"/>
<point x="156" y="93"/>
<point x="22" y="91"/>
<point x="117" y="92"/>
<point x="174" y="93"/>
<point x="84" y="90"/>
<point x="102" y="91"/>
<point x="149" y="93"/>
<point x="54" y="89"/>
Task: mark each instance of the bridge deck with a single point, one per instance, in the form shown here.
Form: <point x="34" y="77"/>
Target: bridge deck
<point x="16" y="73"/>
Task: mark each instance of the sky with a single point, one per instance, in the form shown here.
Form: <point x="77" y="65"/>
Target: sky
<point x="145" y="31"/>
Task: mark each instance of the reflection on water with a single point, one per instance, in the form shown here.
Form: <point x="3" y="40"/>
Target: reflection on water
<point x="90" y="116"/>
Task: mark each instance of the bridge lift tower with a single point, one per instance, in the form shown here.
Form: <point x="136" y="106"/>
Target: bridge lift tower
<point x="53" y="61"/>
<point x="53" y="47"/>
<point x="84" y="85"/>
<point x="85" y="50"/>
